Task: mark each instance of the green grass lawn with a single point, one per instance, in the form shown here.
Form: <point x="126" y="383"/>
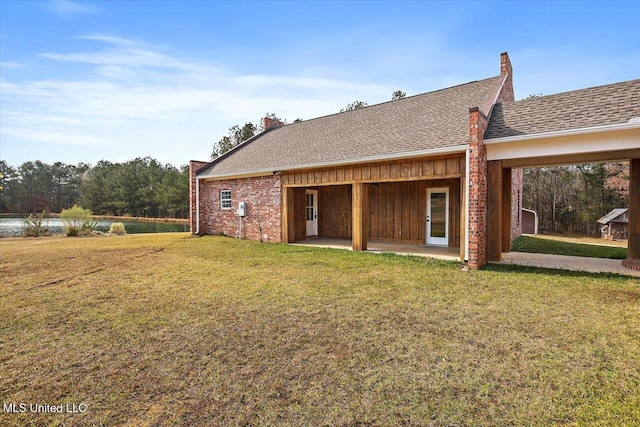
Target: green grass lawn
<point x="543" y="245"/>
<point x="170" y="329"/>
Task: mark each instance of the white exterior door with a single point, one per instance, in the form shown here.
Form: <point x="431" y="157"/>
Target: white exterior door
<point x="311" y="212"/>
<point x="437" y="216"/>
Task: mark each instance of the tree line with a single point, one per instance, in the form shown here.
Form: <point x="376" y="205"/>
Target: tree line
<point x="571" y="199"/>
<point x="141" y="187"/>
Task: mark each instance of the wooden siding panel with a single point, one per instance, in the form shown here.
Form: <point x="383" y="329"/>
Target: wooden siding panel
<point x="300" y="225"/>
<point x="414" y="217"/>
<point x="452" y="166"/>
<point x="397" y="211"/>
<point x="454" y="212"/>
<point x="334" y="211"/>
<point x="394" y="171"/>
<point x="494" y="210"/>
<point x="422" y="209"/>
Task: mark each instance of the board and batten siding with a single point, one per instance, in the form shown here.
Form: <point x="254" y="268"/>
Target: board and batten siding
<point x="450" y="166"/>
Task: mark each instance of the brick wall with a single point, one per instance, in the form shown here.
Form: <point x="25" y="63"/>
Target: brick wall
<point x="263" y="196"/>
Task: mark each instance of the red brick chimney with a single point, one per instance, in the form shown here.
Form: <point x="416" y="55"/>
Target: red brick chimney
<point x="268" y="123"/>
<point x="505" y="64"/>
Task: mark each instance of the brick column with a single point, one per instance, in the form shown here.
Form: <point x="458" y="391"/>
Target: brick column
<point x="477" y="190"/>
<point x="633" y="260"/>
<point x="193" y="167"/>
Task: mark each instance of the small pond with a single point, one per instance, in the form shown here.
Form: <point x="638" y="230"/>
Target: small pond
<point x="12" y="227"/>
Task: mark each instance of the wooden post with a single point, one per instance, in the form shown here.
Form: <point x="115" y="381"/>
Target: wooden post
<point x="494" y="210"/>
<point x="463" y="217"/>
<point x="360" y="210"/>
<point x="634" y="210"/>
<point x="288" y="221"/>
<point x="506" y="210"/>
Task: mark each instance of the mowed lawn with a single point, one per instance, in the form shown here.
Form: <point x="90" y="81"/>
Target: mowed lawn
<point x="556" y="245"/>
<point x="169" y="329"/>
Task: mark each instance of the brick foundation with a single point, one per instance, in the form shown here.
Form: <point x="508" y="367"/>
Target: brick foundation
<point x="633" y="264"/>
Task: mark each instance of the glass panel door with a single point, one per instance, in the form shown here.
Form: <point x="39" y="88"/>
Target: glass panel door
<point x="438" y="216"/>
<point x="311" y="212"/>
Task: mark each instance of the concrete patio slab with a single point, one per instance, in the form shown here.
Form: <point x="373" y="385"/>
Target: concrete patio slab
<point x="444" y="253"/>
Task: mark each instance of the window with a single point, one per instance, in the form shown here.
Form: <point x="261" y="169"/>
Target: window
<point x="225" y="199"/>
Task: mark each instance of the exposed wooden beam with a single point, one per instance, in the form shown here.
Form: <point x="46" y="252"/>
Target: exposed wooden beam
<point x="360" y="207"/>
<point x="288" y="222"/>
<point x="494" y="211"/>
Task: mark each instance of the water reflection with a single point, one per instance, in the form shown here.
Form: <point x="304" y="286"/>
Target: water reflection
<point x="12" y="227"/>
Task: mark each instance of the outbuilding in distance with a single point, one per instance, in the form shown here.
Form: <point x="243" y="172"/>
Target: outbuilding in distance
<point x="615" y="224"/>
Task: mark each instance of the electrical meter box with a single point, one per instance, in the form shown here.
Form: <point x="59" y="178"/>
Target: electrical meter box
<point x="242" y="208"/>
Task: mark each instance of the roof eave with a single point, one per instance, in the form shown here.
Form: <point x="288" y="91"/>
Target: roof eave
<point x="397" y="156"/>
<point x="568" y="132"/>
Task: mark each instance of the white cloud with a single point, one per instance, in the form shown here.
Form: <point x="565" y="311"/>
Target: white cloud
<point x="4" y="64"/>
<point x="143" y="99"/>
<point x="68" y="7"/>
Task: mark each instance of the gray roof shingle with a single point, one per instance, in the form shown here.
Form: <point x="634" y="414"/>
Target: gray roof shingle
<point x="597" y="106"/>
<point x="432" y="120"/>
<point x="615" y="213"/>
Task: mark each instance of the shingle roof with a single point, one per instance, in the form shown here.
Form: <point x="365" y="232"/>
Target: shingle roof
<point x="432" y="120"/>
<point x="603" y="105"/>
<point x="612" y="215"/>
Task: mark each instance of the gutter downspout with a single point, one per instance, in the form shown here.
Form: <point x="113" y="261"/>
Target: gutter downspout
<point x="197" y="206"/>
<point x="466" y="214"/>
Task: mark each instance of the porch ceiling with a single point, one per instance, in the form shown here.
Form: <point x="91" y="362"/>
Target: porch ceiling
<point x="588" y="145"/>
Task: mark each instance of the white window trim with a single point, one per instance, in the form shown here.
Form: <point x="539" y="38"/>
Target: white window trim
<point x="221" y="200"/>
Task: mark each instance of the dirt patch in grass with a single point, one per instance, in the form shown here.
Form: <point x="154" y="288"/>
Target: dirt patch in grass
<point x="216" y="331"/>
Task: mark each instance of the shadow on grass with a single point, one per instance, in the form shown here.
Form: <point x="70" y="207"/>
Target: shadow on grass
<point x="511" y="268"/>
<point x="541" y="245"/>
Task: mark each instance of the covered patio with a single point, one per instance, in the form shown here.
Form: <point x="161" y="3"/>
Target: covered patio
<point x="404" y="206"/>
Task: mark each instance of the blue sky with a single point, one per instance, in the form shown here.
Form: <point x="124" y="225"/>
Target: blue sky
<point x="83" y="81"/>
